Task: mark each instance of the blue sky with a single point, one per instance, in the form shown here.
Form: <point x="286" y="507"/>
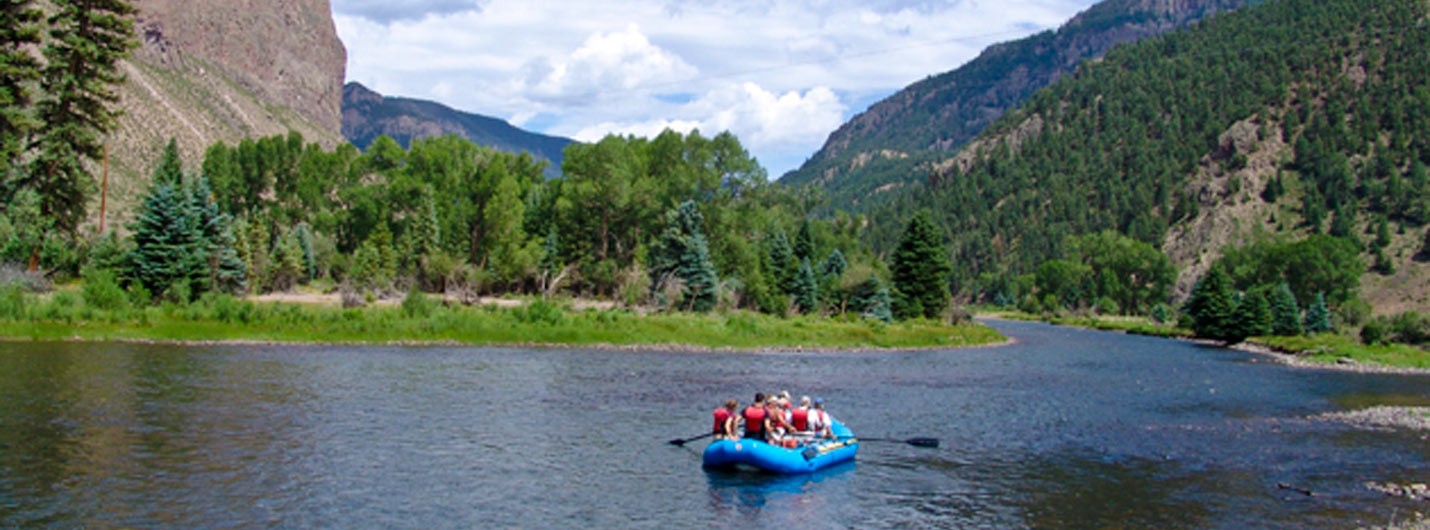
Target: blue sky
<point x="780" y="74"/>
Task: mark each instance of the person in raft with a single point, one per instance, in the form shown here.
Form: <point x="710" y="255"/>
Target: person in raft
<point x="799" y="419"/>
<point x="755" y="417"/>
<point x="726" y="421"/>
<point x="777" y="425"/>
<point x="819" y="421"/>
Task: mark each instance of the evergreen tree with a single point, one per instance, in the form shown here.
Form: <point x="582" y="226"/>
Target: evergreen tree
<point x="225" y="270"/>
<point x="1252" y="317"/>
<point x="683" y="254"/>
<point x="304" y="233"/>
<point x="782" y="265"/>
<point x="1318" y="316"/>
<point x="1211" y="306"/>
<point x="1285" y="314"/>
<point x="170" y="168"/>
<point x="427" y="232"/>
<point x="871" y="300"/>
<point x="168" y="243"/>
<point x="835" y="265"/>
<point x="87" y="40"/>
<point x="920" y="270"/>
<point x="287" y="259"/>
<point x="803" y="243"/>
<point x="18" y="72"/>
<point x="805" y="289"/>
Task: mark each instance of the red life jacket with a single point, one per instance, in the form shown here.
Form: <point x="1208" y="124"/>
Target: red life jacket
<point x="800" y="419"/>
<point x="721" y="414"/>
<point x="754" y="420"/>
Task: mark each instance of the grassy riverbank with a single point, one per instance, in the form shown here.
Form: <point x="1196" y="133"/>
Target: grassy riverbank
<point x="65" y="316"/>
<point x="1325" y="348"/>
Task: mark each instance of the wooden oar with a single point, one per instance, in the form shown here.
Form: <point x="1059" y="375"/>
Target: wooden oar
<point x="682" y="441"/>
<point x="916" y="442"/>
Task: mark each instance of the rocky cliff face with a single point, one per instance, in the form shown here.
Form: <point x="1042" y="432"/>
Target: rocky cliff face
<point x="286" y="52"/>
<point x="223" y="70"/>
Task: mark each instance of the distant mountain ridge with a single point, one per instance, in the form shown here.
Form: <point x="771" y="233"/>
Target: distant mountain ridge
<point x="887" y="146"/>
<point x="368" y="115"/>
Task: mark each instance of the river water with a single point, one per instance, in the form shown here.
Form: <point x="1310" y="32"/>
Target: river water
<point x="1065" y="429"/>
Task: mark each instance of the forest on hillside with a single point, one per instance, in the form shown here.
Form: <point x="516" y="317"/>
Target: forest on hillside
<point x="1115" y="145"/>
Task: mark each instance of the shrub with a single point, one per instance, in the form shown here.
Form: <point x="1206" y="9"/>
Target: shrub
<point x="13" y="301"/>
<point x="542" y="312"/>
<point x="101" y="291"/>
<point x="15" y="274"/>
<point x="1374" y="332"/>
<point x="417" y="304"/>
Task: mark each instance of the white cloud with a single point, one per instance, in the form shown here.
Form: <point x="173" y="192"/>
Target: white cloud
<point x="605" y="66"/>
<point x="781" y="74"/>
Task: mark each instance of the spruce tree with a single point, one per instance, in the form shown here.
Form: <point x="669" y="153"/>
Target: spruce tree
<point x="683" y="254"/>
<point x="920" y="270"/>
<point x="806" y="289"/>
<point x="1211" y="306"/>
<point x="1318" y="316"/>
<point x="782" y="265"/>
<point x="1252" y="317"/>
<point x="87" y="40"/>
<point x="170" y="168"/>
<point x="803" y="243"/>
<point x="835" y="265"/>
<point x="1285" y="314"/>
<point x="871" y="300"/>
<point x="167" y="240"/>
<point x="18" y="72"/>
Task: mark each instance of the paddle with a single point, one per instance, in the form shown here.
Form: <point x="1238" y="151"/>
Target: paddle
<point x="680" y="442"/>
<point x="916" y="442"/>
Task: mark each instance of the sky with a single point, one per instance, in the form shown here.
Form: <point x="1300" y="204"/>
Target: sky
<point x="780" y="74"/>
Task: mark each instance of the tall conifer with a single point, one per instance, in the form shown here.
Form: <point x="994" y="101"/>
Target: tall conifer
<point x="87" y="40"/>
<point x="18" y="72"/>
<point x="920" y="270"/>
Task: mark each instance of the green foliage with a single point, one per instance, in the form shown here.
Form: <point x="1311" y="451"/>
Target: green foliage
<point x="1252" y="317"/>
<point x="417" y="304"/>
<point x="19" y="71"/>
<point x="102" y="291"/>
<point x="835" y="265"/>
<point x="1285" y="314"/>
<point x="781" y="263"/>
<point x="181" y="237"/>
<point x="1318" y="316"/>
<point x="1113" y="147"/>
<point x="23" y="227"/>
<point x="682" y="254"/>
<point x="920" y="270"/>
<point x="170" y="169"/>
<point x="1319" y="264"/>
<point x="1212" y="307"/>
<point x="87" y="39"/>
<point x="805" y="289"/>
<point x="14" y="301"/>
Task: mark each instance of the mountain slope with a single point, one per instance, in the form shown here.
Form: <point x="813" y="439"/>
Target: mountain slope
<point x="885" y="147"/>
<point x="222" y="70"/>
<point x="367" y="115"/>
<point x="1175" y="142"/>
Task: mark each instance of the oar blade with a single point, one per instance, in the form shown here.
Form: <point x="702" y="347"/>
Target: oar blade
<point x="677" y="442"/>
<point x="923" y="442"/>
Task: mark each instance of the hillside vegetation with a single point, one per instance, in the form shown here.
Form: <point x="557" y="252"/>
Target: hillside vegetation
<point x="892" y="144"/>
<point x="1291" y="118"/>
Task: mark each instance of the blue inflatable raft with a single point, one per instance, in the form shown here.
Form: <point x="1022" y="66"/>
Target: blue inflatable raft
<point x="730" y="454"/>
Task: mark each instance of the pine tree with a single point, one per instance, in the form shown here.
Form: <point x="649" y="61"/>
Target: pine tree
<point x="1285" y="314"/>
<point x="683" y="254"/>
<point x="1211" y="306"/>
<point x="1252" y="317"/>
<point x="167" y="240"/>
<point x="835" y="265"/>
<point x="871" y="300"/>
<point x="805" y="289"/>
<point x="803" y="243"/>
<point x="782" y="265"/>
<point x="287" y="258"/>
<point x="18" y="72"/>
<point x="87" y="40"/>
<point x="170" y="168"/>
<point x="920" y="270"/>
<point x="1318" y="316"/>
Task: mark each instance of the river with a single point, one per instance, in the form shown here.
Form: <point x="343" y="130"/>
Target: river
<point x="1064" y="429"/>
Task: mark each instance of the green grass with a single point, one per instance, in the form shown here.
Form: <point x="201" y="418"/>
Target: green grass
<point x="1330" y="348"/>
<point x="1326" y="348"/>
<point x="64" y="316"/>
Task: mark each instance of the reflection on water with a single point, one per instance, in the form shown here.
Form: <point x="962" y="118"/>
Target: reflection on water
<point x="1067" y="429"/>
